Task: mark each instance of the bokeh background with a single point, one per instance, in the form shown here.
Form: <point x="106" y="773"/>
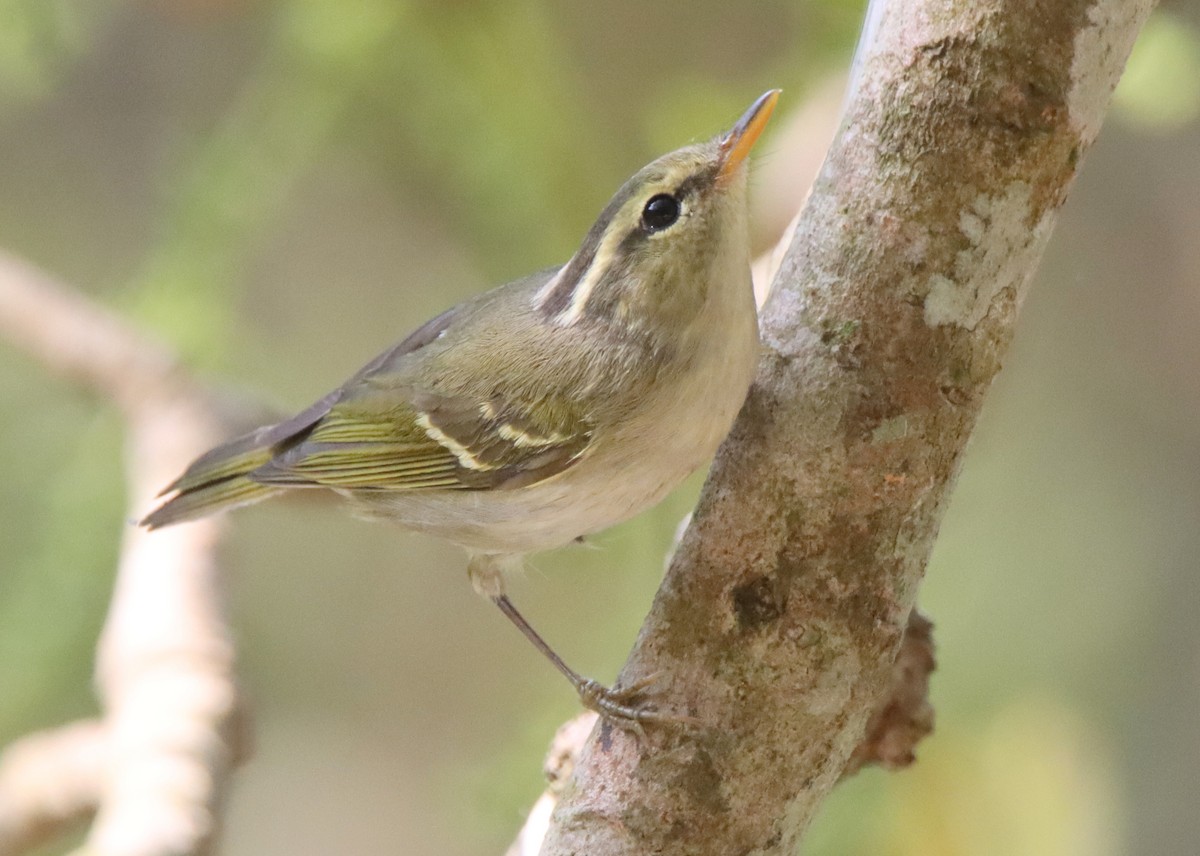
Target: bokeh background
<point x="281" y="188"/>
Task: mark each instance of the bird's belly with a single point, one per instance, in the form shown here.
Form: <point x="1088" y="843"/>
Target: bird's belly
<point x="525" y="520"/>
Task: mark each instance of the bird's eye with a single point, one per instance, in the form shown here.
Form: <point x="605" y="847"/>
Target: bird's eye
<point x="660" y="212"/>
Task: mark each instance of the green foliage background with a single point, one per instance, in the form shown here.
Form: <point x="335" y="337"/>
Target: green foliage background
<point x="280" y="188"/>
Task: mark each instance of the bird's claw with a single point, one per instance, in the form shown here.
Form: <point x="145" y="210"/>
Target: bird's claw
<point x="626" y="707"/>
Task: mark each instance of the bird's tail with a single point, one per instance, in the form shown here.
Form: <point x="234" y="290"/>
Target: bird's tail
<point x="216" y="480"/>
<point x="221" y="478"/>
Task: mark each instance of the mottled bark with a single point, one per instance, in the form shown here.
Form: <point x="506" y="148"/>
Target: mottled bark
<point x="782" y="613"/>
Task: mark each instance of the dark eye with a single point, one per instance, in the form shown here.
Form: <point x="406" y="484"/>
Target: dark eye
<point x="660" y="212"/>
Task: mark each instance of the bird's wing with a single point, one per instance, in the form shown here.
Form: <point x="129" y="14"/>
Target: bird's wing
<point x="412" y="440"/>
<point x="395" y="427"/>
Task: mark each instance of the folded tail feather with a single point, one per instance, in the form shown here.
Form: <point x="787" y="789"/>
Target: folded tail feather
<point x="211" y="483"/>
<point x="220" y="479"/>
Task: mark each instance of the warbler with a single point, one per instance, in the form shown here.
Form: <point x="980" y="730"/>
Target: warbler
<point x="546" y="409"/>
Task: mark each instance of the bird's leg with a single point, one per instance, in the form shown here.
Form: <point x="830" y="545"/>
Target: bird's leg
<point x="610" y="702"/>
<point x="619" y="705"/>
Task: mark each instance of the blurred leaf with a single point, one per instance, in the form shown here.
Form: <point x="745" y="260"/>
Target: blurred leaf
<point x="39" y="38"/>
<point x="1035" y="778"/>
<point x="690" y="110"/>
<point x="53" y="599"/>
<point x="1160" y="89"/>
<point x="484" y="109"/>
<point x="235" y="183"/>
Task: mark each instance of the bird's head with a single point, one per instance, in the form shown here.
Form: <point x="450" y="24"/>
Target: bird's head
<point x="674" y="232"/>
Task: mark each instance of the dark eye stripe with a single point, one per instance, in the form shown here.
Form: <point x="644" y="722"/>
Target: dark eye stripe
<point x="694" y="182"/>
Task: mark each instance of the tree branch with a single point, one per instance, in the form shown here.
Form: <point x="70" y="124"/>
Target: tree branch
<point x="906" y="716"/>
<point x="781" y="616"/>
<point x="900" y="722"/>
<point x="73" y="337"/>
<point x="155" y="767"/>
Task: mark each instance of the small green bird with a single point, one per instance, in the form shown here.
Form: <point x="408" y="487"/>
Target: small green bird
<point x="548" y="408"/>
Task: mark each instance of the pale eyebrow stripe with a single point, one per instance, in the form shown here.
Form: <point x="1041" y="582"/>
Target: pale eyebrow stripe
<point x="557" y="295"/>
<point x="566" y="295"/>
<point x="601" y="263"/>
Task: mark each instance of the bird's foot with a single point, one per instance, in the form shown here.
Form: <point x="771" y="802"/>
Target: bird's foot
<point x="629" y="707"/>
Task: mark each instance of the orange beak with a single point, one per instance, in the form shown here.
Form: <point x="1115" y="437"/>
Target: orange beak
<point x="736" y="144"/>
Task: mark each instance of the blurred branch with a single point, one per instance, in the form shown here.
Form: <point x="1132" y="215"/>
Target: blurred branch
<point x="784" y="609"/>
<point x="48" y="781"/>
<point x="560" y="764"/>
<point x="76" y="339"/>
<point x="153" y="769"/>
<point x="791" y="157"/>
<point x="780" y="184"/>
